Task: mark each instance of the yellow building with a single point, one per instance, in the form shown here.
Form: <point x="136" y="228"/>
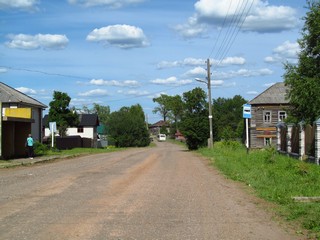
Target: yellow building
<point x="20" y="115"/>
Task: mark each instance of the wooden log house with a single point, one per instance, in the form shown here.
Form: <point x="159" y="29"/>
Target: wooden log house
<point x="267" y="110"/>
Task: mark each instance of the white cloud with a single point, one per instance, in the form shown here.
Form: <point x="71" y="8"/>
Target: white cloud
<point x="135" y="93"/>
<point x="217" y="82"/>
<point x="3" y="70"/>
<point x="252" y="93"/>
<point x="19" y="4"/>
<point x="122" y="36"/>
<point x="287" y="51"/>
<point x="243" y="73"/>
<point x="171" y="81"/>
<point x="45" y="41"/>
<point x="95" y="93"/>
<point x="196" y="72"/>
<point x="126" y="83"/>
<point x="201" y="62"/>
<point x="26" y="90"/>
<point x="258" y="17"/>
<point x="107" y="3"/>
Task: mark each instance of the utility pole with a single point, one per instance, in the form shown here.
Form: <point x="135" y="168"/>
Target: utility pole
<point x="210" y="141"/>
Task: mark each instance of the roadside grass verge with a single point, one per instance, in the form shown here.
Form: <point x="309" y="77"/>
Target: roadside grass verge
<point x="275" y="178"/>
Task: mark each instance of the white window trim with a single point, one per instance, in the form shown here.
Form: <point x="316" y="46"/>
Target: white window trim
<point x="285" y="115"/>
<point x="265" y="141"/>
<point x="264" y="114"/>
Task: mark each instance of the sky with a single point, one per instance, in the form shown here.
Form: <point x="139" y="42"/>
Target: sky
<point x="119" y="53"/>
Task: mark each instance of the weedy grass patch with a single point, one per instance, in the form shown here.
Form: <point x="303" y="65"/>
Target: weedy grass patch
<point x="274" y="177"/>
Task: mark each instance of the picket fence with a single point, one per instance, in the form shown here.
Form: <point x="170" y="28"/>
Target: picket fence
<point x="301" y="141"/>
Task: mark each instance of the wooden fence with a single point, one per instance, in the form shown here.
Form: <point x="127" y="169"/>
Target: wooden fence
<point x="301" y="140"/>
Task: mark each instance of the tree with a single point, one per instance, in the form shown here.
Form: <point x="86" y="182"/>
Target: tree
<point x="227" y="116"/>
<point x="128" y="127"/>
<point x="60" y="112"/>
<point x="303" y="78"/>
<point x="194" y="123"/>
<point x="103" y="113"/>
<point x="162" y="108"/>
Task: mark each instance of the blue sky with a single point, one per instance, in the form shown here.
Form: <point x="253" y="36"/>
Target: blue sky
<point x="123" y="52"/>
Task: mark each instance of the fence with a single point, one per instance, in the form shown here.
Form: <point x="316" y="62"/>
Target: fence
<point x="69" y="142"/>
<point x="301" y="140"/>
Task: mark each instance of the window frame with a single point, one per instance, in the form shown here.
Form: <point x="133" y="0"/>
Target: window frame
<point x="264" y="116"/>
<point x="279" y="114"/>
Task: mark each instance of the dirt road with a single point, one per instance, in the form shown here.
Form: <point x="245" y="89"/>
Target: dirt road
<point x="164" y="192"/>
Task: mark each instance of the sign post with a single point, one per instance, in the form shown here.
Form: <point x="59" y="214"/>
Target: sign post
<point x="53" y="129"/>
<point x="247" y="115"/>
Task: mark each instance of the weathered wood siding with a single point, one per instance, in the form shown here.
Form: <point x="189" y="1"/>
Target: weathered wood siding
<point x="259" y="130"/>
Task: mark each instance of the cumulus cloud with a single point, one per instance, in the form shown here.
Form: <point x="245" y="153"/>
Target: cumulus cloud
<point x="170" y="81"/>
<point x="252" y="93"/>
<point x="243" y="73"/>
<point x="95" y="93"/>
<point x="106" y="3"/>
<point x="19" y="4"/>
<point x="135" y="93"/>
<point x="30" y="42"/>
<point x="26" y="90"/>
<point x="122" y="36"/>
<point x="286" y="52"/>
<point x="198" y="62"/>
<point x="126" y="83"/>
<point x="3" y="70"/>
<point x="259" y="16"/>
<point x="196" y="72"/>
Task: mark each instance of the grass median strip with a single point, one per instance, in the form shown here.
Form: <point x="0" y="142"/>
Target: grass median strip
<point x="275" y="178"/>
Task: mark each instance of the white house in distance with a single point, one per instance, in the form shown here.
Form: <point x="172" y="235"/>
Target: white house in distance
<point x="87" y="127"/>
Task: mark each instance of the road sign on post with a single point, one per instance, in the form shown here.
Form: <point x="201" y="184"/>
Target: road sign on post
<point x="247" y="115"/>
<point x="246" y="111"/>
<point x="53" y="129"/>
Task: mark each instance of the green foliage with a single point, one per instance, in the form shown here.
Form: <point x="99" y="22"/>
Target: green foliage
<point x="227" y="114"/>
<point x="274" y="177"/>
<point x="194" y="123"/>
<point x="40" y="149"/>
<point x="162" y="107"/>
<point x="128" y="127"/>
<point x="304" y="78"/>
<point x="60" y="112"/>
<point x="103" y="113"/>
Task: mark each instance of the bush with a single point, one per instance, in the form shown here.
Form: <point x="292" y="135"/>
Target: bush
<point x="40" y="149"/>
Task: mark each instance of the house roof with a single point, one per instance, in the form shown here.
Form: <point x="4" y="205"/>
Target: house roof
<point x="159" y="124"/>
<point x="88" y="120"/>
<point x="276" y="94"/>
<point x="11" y="95"/>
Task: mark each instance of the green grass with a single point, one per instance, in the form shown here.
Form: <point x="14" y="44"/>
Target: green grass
<point x="275" y="178"/>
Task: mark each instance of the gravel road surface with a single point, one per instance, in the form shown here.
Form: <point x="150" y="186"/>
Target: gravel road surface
<point x="163" y="192"/>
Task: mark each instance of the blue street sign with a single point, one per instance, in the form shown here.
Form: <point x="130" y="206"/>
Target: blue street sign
<point x="246" y="111"/>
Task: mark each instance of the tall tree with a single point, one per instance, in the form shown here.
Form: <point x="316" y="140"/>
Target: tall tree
<point x="194" y="123"/>
<point x="303" y="79"/>
<point x="128" y="128"/>
<point x="227" y="117"/>
<point x="60" y="112"/>
<point x="163" y="106"/>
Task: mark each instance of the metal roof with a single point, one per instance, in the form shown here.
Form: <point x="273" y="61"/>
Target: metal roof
<point x="11" y="95"/>
<point x="276" y="94"/>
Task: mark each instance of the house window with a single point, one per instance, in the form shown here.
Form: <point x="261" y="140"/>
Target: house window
<point x="267" y="141"/>
<point x="80" y="130"/>
<point x="267" y="117"/>
<point x="282" y="115"/>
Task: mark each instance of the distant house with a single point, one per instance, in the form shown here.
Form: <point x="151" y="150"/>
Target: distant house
<point x="87" y="128"/>
<point x="21" y="115"/>
<point x="267" y="109"/>
<point x="155" y="128"/>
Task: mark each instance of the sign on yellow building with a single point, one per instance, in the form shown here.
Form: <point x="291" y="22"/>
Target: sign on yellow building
<point x="18" y="112"/>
